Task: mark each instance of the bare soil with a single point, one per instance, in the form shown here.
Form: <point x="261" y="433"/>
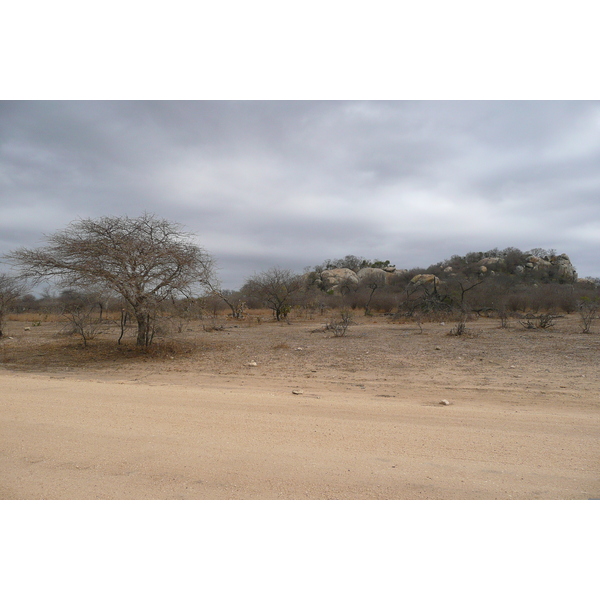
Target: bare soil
<point x="287" y="411"/>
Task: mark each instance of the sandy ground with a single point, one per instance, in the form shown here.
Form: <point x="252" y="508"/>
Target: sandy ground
<point x="318" y="417"/>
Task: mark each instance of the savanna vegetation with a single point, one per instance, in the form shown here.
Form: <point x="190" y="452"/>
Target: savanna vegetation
<point x="145" y="278"/>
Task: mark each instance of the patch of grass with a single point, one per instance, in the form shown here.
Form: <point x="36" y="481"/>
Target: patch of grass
<point x="35" y="317"/>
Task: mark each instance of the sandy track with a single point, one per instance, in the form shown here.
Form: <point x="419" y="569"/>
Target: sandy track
<point x="66" y="438"/>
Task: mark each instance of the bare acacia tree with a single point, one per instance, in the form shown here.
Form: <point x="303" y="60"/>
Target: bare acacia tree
<point x="11" y="289"/>
<point x="276" y="288"/>
<point x="146" y="260"/>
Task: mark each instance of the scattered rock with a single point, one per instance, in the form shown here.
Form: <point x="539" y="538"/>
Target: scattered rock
<point x="252" y="363"/>
<point x="425" y="279"/>
<point x="27" y="328"/>
<point x="438" y="347"/>
<point x="444" y="403"/>
<point x="297" y="392"/>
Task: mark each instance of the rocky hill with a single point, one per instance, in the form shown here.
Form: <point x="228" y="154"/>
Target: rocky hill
<point x="534" y="265"/>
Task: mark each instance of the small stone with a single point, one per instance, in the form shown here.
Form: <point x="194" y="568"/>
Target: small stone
<point x="252" y="363"/>
<point x="438" y="347"/>
<point x="444" y="403"/>
<point x="297" y="392"/>
<point x="27" y="328"/>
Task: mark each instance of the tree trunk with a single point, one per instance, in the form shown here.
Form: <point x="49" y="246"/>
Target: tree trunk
<point x="144" y="329"/>
<point x="123" y="324"/>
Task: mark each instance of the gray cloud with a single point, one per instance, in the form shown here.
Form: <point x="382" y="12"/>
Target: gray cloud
<point x="295" y="183"/>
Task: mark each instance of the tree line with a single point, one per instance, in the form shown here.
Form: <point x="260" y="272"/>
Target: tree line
<point x="146" y="266"/>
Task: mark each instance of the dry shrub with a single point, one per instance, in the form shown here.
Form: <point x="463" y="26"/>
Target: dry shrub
<point x="459" y="329"/>
<point x="587" y="313"/>
<point x="546" y="321"/>
<point x="213" y="325"/>
<point x="339" y="326"/>
<point x="543" y="321"/>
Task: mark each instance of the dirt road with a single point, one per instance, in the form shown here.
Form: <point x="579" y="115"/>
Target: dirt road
<point x="64" y="437"/>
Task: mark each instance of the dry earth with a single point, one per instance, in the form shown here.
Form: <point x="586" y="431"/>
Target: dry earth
<point x="318" y="417"/>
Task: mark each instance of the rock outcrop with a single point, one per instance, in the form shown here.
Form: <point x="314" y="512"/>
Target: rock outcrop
<point x="558" y="267"/>
<point x="336" y="279"/>
<point x="492" y="262"/>
<point x="371" y="275"/>
<point x="342" y="280"/>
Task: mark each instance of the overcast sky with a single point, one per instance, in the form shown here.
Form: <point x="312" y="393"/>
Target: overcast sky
<point x="293" y="183"/>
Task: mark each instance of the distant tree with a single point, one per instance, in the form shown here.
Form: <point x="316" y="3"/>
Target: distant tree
<point x="11" y="289"/>
<point x="541" y="252"/>
<point x="275" y="288"/>
<point x="145" y="260"/>
<point x="354" y="263"/>
<point x="230" y="297"/>
<point x="513" y="257"/>
<point x="371" y="282"/>
<point x="381" y="264"/>
<point x="466" y="285"/>
<point x="27" y="302"/>
<point x="473" y="257"/>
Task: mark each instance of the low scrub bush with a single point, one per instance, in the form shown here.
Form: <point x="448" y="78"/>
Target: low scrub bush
<point x="339" y="325"/>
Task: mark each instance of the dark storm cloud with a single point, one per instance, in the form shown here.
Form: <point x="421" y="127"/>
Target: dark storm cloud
<point x="294" y="183"/>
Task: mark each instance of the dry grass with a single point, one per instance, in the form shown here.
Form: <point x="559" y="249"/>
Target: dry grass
<point x="49" y="346"/>
<point x="35" y="317"/>
<point x="32" y="318"/>
<point x="56" y="352"/>
<point x="375" y="346"/>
